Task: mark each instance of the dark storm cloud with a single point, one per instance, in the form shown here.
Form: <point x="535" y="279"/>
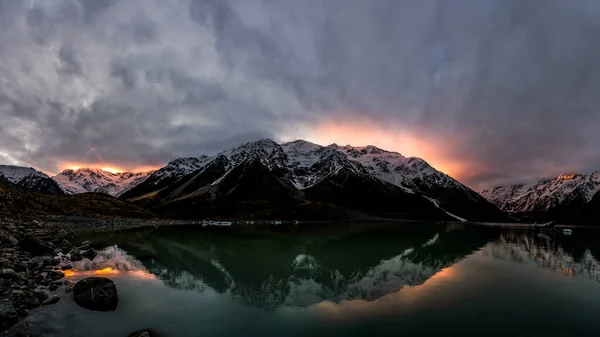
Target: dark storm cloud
<point x="508" y="86"/>
<point x="68" y="61"/>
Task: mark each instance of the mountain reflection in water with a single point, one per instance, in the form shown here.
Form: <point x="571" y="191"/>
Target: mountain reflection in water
<point x="323" y="266"/>
<point x="345" y="280"/>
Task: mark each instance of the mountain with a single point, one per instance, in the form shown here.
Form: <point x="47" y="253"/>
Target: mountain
<point x="29" y="179"/>
<point x="416" y="174"/>
<point x="96" y="180"/>
<point x="590" y="212"/>
<point x="170" y="174"/>
<point x="561" y="198"/>
<point x="18" y="202"/>
<point x="304" y="180"/>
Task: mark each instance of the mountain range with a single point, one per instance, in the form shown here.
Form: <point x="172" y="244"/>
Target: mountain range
<point x="99" y="181"/>
<point x="573" y="198"/>
<point x="302" y="180"/>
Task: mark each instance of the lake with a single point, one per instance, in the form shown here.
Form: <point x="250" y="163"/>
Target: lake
<point x="381" y="279"/>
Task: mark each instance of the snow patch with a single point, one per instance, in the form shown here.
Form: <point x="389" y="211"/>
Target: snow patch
<point x="437" y="204"/>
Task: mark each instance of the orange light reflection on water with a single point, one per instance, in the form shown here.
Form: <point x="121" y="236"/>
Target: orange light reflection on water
<point x="403" y="298"/>
<point x="109" y="271"/>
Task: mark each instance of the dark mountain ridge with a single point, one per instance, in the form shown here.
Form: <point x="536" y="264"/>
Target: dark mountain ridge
<point x="300" y="180"/>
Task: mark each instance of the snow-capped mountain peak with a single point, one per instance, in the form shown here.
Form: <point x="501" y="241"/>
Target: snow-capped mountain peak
<point x="29" y="179"/>
<point x="411" y="172"/>
<point x="267" y="151"/>
<point x="96" y="180"/>
<point x="546" y="193"/>
<point x="14" y="174"/>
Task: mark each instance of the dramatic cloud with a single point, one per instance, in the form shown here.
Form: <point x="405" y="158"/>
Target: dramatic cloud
<point x="490" y="91"/>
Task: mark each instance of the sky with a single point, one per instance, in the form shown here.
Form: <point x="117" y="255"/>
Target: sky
<point x="491" y="92"/>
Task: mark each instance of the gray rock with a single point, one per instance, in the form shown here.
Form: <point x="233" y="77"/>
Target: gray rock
<point x="27" y="299"/>
<point x="144" y="333"/>
<point x="67" y="267"/>
<point x="66" y="245"/>
<point x="35" y="246"/>
<point x="13" y="240"/>
<point x="85" y="245"/>
<point x="62" y="234"/>
<point x="75" y="255"/>
<point x="89" y="254"/>
<point x="8" y="273"/>
<point x="55" y="275"/>
<point x="96" y="293"/>
<point x="51" y="300"/>
<point x="42" y="295"/>
<point x="39" y="262"/>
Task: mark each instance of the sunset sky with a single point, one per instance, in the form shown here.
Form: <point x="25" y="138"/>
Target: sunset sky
<point x="489" y="91"/>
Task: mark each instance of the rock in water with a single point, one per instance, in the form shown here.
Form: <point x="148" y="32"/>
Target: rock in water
<point x="144" y="333"/>
<point x="51" y="300"/>
<point x="96" y="293"/>
<point x="8" y="314"/>
<point x="27" y="299"/>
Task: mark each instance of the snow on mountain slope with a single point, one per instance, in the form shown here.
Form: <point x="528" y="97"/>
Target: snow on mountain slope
<point x="302" y="154"/>
<point x="270" y="154"/>
<point x="178" y="168"/>
<point x="29" y="179"/>
<point x="437" y="204"/>
<point x="96" y="180"/>
<point x="14" y="174"/>
<point x="307" y="164"/>
<point x="544" y="194"/>
<point x="311" y="163"/>
<point x="412" y="173"/>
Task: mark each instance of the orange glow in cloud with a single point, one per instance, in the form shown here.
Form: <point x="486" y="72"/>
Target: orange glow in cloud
<point x="402" y="141"/>
<point x="107" y="167"/>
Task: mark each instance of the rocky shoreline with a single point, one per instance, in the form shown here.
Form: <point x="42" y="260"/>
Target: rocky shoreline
<point x="33" y="257"/>
<point x="36" y="253"/>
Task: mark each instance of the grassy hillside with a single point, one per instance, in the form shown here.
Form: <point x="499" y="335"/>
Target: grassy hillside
<point x="16" y="202"/>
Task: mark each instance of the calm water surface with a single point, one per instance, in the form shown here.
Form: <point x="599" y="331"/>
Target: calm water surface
<point x="352" y="280"/>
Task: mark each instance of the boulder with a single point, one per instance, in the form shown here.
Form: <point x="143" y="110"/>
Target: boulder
<point x="27" y="299"/>
<point x="8" y="273"/>
<point x="85" y="245"/>
<point x="51" y="300"/>
<point x="39" y="262"/>
<point x="35" y="246"/>
<point x="61" y="234"/>
<point x="66" y="245"/>
<point x="96" y="293"/>
<point x="89" y="254"/>
<point x="75" y="255"/>
<point x="55" y="275"/>
<point x="144" y="333"/>
<point x="13" y="240"/>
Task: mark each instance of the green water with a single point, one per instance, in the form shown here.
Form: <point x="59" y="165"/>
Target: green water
<point x="352" y="280"/>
